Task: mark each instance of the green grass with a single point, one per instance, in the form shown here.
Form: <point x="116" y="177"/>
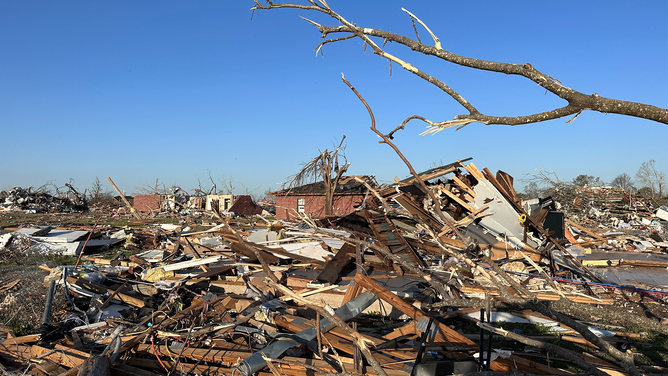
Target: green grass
<point x="20" y="327"/>
<point x="654" y="350"/>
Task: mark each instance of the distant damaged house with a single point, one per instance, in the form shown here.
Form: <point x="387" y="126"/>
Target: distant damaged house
<point x="178" y="200"/>
<point x="221" y="203"/>
<point x="147" y="203"/>
<point x="244" y="205"/>
<point x="310" y="198"/>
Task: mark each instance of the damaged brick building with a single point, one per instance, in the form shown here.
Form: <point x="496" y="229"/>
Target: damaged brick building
<point x="310" y="198"/>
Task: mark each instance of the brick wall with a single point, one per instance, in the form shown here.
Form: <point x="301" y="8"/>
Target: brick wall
<point x="143" y="202"/>
<point x="286" y="206"/>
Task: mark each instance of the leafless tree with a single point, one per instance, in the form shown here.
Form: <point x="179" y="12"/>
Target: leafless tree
<point x="376" y="39"/>
<point x="325" y="167"/>
<point x="546" y="179"/>
<point x="623" y="181"/>
<point x="95" y="190"/>
<point x="267" y="197"/>
<point x="649" y="177"/>
<point x="157" y="188"/>
<point x="98" y="196"/>
<point x="249" y="191"/>
<point x="201" y="192"/>
<point x="228" y="185"/>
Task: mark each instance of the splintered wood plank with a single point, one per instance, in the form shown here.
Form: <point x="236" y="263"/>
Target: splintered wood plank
<point x="49" y="367"/>
<point x="590" y="233"/>
<point x="23" y="339"/>
<point x="414" y="208"/>
<point x="96" y="287"/>
<point x="244" y="250"/>
<point x="352" y="292"/>
<point x="297" y="324"/>
<point x="604" y="365"/>
<point x="473" y="170"/>
<point x="480" y="209"/>
<point x="540" y="296"/>
<point x="408" y="329"/>
<point x="205" y="354"/>
<point x="461" y="185"/>
<point x="9" y="285"/>
<point x="333" y="268"/>
<point x="530" y="367"/>
<point x="458" y="200"/>
<point x="507" y="182"/>
<point x="446" y="334"/>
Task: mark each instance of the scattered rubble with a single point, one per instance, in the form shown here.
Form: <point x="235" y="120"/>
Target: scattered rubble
<point x="19" y="198"/>
<point x="387" y="289"/>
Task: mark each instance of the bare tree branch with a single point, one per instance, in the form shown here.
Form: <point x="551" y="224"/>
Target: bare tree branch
<point x="577" y="101"/>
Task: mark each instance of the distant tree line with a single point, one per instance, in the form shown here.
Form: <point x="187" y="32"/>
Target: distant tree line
<point x="649" y="182"/>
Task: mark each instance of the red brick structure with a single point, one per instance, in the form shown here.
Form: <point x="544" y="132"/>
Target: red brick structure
<point x="310" y="199"/>
<point x="142" y="203"/>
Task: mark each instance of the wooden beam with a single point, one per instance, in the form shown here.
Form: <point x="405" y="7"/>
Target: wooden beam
<point x="590" y="233"/>
<point x="446" y="334"/>
<point x="127" y="299"/>
<point x="461" y="185"/>
<point x="458" y="200"/>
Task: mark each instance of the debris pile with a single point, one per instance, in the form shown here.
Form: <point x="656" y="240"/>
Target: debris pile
<point x="19" y="198"/>
<point x="603" y="206"/>
<point x="384" y="290"/>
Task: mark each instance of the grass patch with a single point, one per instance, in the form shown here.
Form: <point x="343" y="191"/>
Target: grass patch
<point x="655" y="351"/>
<point x="20" y="327"/>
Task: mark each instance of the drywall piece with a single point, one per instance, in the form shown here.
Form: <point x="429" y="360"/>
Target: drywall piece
<point x="260" y="236"/>
<point x="62" y="236"/>
<point x="662" y="213"/>
<point x="64" y="249"/>
<point x="211" y="242"/>
<point x="152" y="256"/>
<point x="509" y="317"/>
<point x="309" y="249"/>
<point x="503" y="221"/>
<point x="4" y="239"/>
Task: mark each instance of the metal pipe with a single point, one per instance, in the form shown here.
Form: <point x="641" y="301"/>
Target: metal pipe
<point x="482" y="340"/>
<point x="67" y="290"/>
<point x="489" y="351"/>
<point x="49" y="300"/>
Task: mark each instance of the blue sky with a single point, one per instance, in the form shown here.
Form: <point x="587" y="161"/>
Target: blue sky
<point x="140" y="90"/>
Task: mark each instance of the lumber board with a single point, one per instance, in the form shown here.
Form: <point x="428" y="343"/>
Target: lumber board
<point x="590" y="233"/>
<point x="333" y="268"/>
<point x="546" y="296"/>
<point x="446" y="334"/>
<point x="131" y="300"/>
<point x="458" y="200"/>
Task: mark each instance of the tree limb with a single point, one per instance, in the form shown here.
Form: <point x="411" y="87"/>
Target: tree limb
<point x="577" y="101"/>
<point x="571" y="356"/>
